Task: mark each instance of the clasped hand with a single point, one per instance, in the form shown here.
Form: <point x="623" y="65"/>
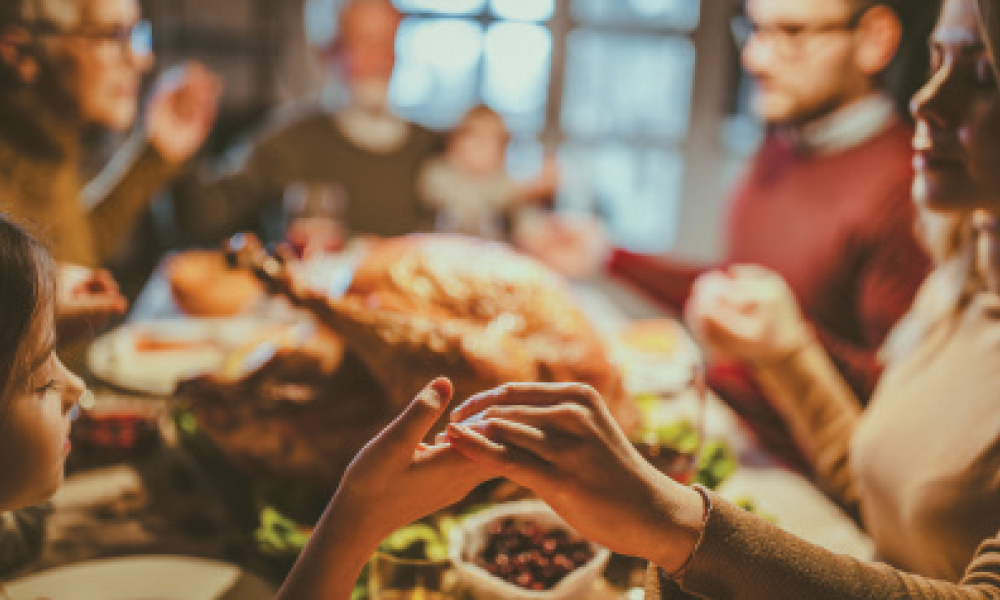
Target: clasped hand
<point x="747" y="313"/>
<point x="556" y="439"/>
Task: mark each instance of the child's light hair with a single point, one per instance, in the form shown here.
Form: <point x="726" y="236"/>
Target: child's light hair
<point x="484" y="112"/>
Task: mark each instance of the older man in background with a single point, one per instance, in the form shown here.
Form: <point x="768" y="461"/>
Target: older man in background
<point x="825" y="201"/>
<point x="348" y="146"/>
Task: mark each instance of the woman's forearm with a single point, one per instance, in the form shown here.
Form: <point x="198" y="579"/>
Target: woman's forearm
<point x="743" y="557"/>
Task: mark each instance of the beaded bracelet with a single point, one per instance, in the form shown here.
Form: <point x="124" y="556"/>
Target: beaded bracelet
<point x="707" y="501"/>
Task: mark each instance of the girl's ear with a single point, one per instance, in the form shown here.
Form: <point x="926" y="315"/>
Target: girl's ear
<point x="17" y="53"/>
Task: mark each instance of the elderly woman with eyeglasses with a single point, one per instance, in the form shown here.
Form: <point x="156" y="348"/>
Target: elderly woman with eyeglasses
<point x="68" y="65"/>
<point x="65" y="66"/>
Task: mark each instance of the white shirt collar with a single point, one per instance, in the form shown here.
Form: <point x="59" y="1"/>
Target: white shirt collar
<point x="848" y="126"/>
<point x="381" y="132"/>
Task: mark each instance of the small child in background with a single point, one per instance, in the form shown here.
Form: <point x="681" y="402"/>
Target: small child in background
<point x="469" y="186"/>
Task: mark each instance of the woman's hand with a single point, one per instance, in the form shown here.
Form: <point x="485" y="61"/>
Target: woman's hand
<point x="749" y="313"/>
<point x="182" y="111"/>
<point x="85" y="301"/>
<point x="393" y="481"/>
<point x="560" y="441"/>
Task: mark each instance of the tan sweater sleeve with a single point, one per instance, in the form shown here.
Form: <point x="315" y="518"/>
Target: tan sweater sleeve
<point x="743" y="557"/>
<point x="821" y="412"/>
<point x="123" y="190"/>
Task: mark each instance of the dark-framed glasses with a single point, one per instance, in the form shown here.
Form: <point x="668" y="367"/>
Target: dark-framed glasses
<point x="788" y="40"/>
<point x="136" y="38"/>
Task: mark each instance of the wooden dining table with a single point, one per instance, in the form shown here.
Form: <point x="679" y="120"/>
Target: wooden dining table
<point x="162" y="501"/>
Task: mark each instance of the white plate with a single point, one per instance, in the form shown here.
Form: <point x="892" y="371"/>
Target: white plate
<point x="142" y="578"/>
<point x="113" y="357"/>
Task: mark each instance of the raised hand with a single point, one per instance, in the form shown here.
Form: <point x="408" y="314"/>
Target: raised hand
<point x="560" y="441"/>
<point x="393" y="481"/>
<point x="748" y="313"/>
<point x="182" y="110"/>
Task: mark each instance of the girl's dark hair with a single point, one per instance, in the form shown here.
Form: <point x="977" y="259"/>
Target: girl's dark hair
<point x="27" y="301"/>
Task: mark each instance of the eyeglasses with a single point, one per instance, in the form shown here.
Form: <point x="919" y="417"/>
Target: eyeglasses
<point x="137" y="38"/>
<point x="788" y="40"/>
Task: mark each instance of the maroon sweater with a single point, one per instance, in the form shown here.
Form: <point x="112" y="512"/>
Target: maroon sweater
<point x="838" y="227"/>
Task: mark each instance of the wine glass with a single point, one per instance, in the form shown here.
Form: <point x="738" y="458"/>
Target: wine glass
<point x="395" y="578"/>
<point x="313" y="216"/>
<point x="672" y="430"/>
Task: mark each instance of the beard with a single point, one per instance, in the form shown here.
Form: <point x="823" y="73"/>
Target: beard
<point x="371" y="94"/>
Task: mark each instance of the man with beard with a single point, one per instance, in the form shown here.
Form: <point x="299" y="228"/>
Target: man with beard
<point x="349" y="142"/>
<point x="825" y="201"/>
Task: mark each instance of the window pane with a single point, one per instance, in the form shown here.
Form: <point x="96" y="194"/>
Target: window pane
<point x="628" y="85"/>
<point x="679" y="14"/>
<point x="443" y="7"/>
<point x="517" y="57"/>
<point x="636" y="189"/>
<point x="523" y="10"/>
<point x="436" y="69"/>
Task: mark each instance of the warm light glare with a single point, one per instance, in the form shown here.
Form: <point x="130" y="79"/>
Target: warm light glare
<point x="523" y="10"/>
<point x="436" y="70"/>
<point x="678" y="14"/>
<point x="443" y="7"/>
<point x="625" y="84"/>
<point x="517" y="66"/>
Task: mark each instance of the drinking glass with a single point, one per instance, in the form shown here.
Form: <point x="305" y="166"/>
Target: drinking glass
<point x="393" y="578"/>
<point x="672" y="431"/>
<point x="313" y="215"/>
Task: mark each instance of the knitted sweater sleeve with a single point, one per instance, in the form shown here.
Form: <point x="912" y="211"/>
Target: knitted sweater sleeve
<point x="742" y="557"/>
<point x="120" y="194"/>
<point x="667" y="282"/>
<point x="821" y="412"/>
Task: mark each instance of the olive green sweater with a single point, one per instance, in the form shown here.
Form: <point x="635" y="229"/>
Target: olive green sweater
<point x="304" y="144"/>
<point x="40" y="183"/>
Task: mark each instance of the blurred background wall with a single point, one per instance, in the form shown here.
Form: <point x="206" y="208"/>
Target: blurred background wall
<point x="641" y="99"/>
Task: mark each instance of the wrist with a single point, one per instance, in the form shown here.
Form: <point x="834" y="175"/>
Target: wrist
<point x="789" y="350"/>
<point x="683" y="524"/>
<point x="356" y="519"/>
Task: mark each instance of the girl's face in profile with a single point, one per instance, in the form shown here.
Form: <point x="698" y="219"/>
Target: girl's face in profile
<point x="957" y="144"/>
<point x="35" y="422"/>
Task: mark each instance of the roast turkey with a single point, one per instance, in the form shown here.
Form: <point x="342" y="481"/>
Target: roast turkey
<point x="418" y="307"/>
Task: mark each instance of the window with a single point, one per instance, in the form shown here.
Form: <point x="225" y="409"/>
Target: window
<point x="621" y="98"/>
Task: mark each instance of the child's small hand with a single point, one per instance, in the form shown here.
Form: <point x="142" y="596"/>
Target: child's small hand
<point x="396" y="478"/>
<point x="393" y="481"/>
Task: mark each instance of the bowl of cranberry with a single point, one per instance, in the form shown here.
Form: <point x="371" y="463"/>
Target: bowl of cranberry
<point x="524" y="550"/>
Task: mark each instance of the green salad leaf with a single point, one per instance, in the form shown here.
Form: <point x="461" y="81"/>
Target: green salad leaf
<point x="418" y="541"/>
<point x="718" y="462"/>
<point x="278" y="535"/>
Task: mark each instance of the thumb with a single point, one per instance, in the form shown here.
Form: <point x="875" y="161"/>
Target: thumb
<point x="404" y="434"/>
